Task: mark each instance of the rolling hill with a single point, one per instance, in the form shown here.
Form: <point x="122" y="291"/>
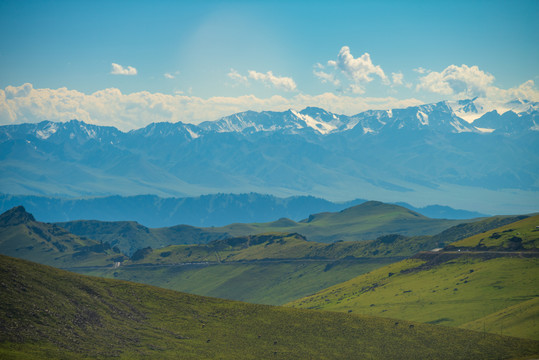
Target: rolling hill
<point x="24" y="237"/>
<point x="494" y="288"/>
<point x="521" y="235"/>
<point x="50" y="313"/>
<point x="271" y="269"/>
<point x="366" y="221"/>
<point x="267" y="269"/>
<point x="275" y="268"/>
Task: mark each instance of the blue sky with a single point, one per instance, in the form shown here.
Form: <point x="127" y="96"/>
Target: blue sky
<point x="197" y="60"/>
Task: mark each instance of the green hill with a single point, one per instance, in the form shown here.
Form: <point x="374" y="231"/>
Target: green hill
<point x="50" y="313"/>
<point x="268" y="269"/>
<point x="366" y="221"/>
<point x="521" y="235"/>
<point x="473" y="289"/>
<point x="274" y="268"/>
<point x="24" y="237"/>
<point x="129" y="236"/>
<point x="362" y="222"/>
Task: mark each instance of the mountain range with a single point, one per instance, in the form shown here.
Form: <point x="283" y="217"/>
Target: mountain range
<point x="205" y="210"/>
<point x="424" y="154"/>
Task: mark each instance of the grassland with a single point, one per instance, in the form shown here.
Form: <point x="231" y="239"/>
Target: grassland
<point x="520" y="235"/>
<point x="366" y="221"/>
<point x="50" y="313"/>
<point x="488" y="282"/>
<point x="267" y="282"/>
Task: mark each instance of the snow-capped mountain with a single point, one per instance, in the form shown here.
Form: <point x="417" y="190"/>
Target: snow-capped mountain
<point x="310" y="119"/>
<point x="445" y="116"/>
<point x="382" y="154"/>
<point x="74" y="130"/>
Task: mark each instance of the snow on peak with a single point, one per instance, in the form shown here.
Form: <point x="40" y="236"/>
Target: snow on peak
<point x="468" y="110"/>
<point x="193" y="134"/>
<point x="473" y="109"/>
<point x="423" y="118"/>
<point x="484" y="130"/>
<point x="47" y="131"/>
<point x="316" y="124"/>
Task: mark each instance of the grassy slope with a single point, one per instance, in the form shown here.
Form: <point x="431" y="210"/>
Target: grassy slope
<point x="459" y="289"/>
<point x="276" y="282"/>
<point x="521" y="235"/>
<point x="450" y="294"/>
<point x="519" y="320"/>
<point x="273" y="283"/>
<point x="49" y="313"/>
<point x="268" y="246"/>
<point x="363" y="222"/>
<point x="366" y="221"/>
<point x="277" y="245"/>
<point x="130" y="235"/>
<point x="23" y="237"/>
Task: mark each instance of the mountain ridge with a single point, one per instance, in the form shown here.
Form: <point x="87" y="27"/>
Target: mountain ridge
<point x="387" y="155"/>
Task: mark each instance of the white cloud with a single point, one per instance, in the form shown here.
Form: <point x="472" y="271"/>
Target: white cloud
<point x="526" y="91"/>
<point x="461" y="80"/>
<point x="397" y="78"/>
<point x="237" y="77"/>
<point x="469" y="81"/>
<point x="168" y="75"/>
<point x="421" y="70"/>
<point x="327" y="78"/>
<point x="24" y="104"/>
<point x="280" y="82"/>
<point x="359" y="71"/>
<point x="118" y="69"/>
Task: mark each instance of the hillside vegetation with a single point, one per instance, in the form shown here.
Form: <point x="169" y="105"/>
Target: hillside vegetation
<point x="521" y="235"/>
<point x="24" y="237"/>
<point x="267" y="269"/>
<point x="486" y="290"/>
<point x="366" y="221"/>
<point x="50" y="313"/>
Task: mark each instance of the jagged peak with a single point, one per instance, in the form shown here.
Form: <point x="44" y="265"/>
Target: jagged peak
<point x="15" y="216"/>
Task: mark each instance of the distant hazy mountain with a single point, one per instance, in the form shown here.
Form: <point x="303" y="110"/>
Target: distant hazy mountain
<point x="207" y="210"/>
<point x="432" y="150"/>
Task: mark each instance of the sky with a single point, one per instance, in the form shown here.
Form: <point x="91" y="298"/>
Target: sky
<point x="130" y="63"/>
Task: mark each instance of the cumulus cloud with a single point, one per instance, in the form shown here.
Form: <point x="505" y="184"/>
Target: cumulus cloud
<point x="280" y="82"/>
<point x="421" y="70"/>
<point x="469" y="81"/>
<point x="460" y="80"/>
<point x="357" y="71"/>
<point x="527" y="91"/>
<point x="111" y="107"/>
<point x="168" y="75"/>
<point x="360" y="69"/>
<point x="118" y="69"/>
